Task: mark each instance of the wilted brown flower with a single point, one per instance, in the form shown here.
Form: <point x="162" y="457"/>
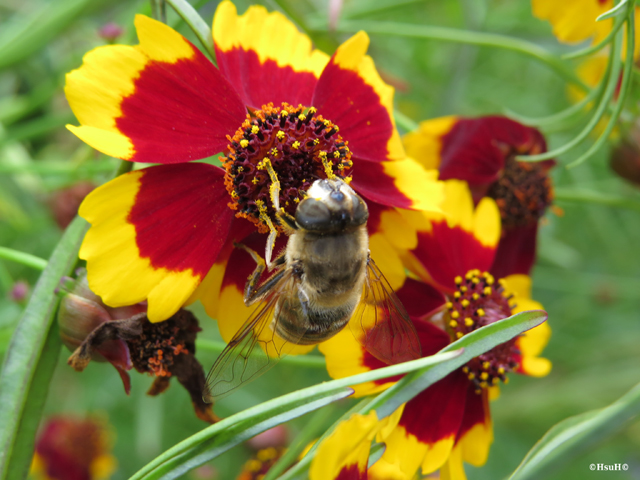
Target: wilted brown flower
<point x="127" y="339"/>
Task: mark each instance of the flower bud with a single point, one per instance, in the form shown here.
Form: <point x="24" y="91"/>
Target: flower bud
<point x="19" y="291"/>
<point x="625" y="159"/>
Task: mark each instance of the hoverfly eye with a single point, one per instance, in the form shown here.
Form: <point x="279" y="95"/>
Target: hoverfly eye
<point x="337" y="196"/>
<point x="312" y="214"/>
<point x="360" y="211"/>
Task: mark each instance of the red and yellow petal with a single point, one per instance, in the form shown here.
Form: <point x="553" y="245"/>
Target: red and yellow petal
<point x="265" y="57"/>
<point x="161" y="101"/>
<point x="425" y="144"/>
<point x="345" y="453"/>
<point x="533" y="341"/>
<point x="402" y="184"/>
<point x="352" y="95"/>
<point x="516" y="251"/>
<point x="154" y="235"/>
<point x="428" y="427"/>
<point x="476" y="432"/>
<point x="455" y="241"/>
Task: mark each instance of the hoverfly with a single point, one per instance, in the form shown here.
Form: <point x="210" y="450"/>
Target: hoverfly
<point x="324" y="279"/>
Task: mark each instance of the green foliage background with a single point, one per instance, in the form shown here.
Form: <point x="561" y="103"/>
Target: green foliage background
<point x="586" y="275"/>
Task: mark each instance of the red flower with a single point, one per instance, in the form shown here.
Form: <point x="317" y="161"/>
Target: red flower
<point x="482" y="151"/>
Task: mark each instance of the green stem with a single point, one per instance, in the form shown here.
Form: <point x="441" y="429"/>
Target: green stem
<point x="615" y="11"/>
<point x="612" y="74"/>
<point x="595" y="48"/>
<point x="23" y="258"/>
<point x="622" y="93"/>
<point x="196" y="23"/>
<point x="312" y="361"/>
<point x="597" y="198"/>
<point x="405" y="122"/>
<point x="562" y="115"/>
<point x="464" y="36"/>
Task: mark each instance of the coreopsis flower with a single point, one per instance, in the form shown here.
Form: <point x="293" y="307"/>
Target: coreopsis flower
<point x="124" y="337"/>
<point x="278" y="111"/>
<point x="482" y="151"/>
<point x="454" y="294"/>
<point x="69" y="448"/>
<point x="259" y="464"/>
<point x="574" y="21"/>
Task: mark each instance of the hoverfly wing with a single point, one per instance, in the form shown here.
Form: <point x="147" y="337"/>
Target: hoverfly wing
<point x="255" y="348"/>
<point x="381" y="323"/>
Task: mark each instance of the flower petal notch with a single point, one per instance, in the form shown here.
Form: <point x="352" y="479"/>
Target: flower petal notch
<point x="161" y="101"/>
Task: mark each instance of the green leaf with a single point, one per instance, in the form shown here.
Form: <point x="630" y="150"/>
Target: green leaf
<point x="30" y="360"/>
<point x="196" y="23"/>
<point x="23" y="258"/>
<point x="474" y="344"/>
<point x="615" y="11"/>
<point x="572" y="436"/>
<point x="216" y="439"/>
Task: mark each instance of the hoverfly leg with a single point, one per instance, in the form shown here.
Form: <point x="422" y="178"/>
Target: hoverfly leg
<point x="252" y="292"/>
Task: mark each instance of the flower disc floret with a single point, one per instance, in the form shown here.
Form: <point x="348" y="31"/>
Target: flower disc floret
<point x="480" y="300"/>
<point x="523" y="192"/>
<point x="293" y="145"/>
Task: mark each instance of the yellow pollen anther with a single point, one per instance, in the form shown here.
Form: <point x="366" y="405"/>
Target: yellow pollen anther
<point x="302" y="117"/>
<point x="468" y="322"/>
<point x="484" y="384"/>
<point x="484" y="375"/>
<point x="274" y="151"/>
<point x="463" y="288"/>
<point x="295" y="145"/>
<point x="453" y="324"/>
<point x="255" y="180"/>
<point x="336" y="154"/>
<point x="480" y="312"/>
<point x="328" y="166"/>
<point x="465" y="369"/>
<point x="464" y="303"/>
<point x="313" y="110"/>
<point x="284" y="113"/>
<point x="348" y="180"/>
<point x="459" y="334"/>
<point x="500" y="370"/>
<point x="490" y="280"/>
<point x="254" y="465"/>
<point x="255" y="129"/>
<point x="506" y="380"/>
<point x="280" y="135"/>
<point x="475" y="280"/>
<point x="471" y="376"/>
<point x="495" y="380"/>
<point x="234" y="194"/>
<point x="486" y="290"/>
<point x="469" y="275"/>
<point x="296" y="199"/>
<point x="316" y="141"/>
<point x="327" y="123"/>
<point x="449" y="305"/>
<point x="455" y="315"/>
<point x="456" y="294"/>
<point x="475" y="296"/>
<point x="244" y="143"/>
<point x="240" y="169"/>
<point x="267" y="454"/>
<point x="486" y="365"/>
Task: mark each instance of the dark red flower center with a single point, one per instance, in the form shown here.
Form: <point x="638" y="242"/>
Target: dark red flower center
<point x="523" y="192"/>
<point x="478" y="301"/>
<point x="155" y="350"/>
<point x="294" y="145"/>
